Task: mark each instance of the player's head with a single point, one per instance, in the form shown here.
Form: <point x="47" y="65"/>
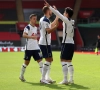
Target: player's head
<point x="33" y="18"/>
<point x="68" y="12"/>
<point x="46" y="11"/>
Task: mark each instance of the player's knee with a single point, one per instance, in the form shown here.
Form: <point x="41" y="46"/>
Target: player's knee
<point x="49" y="59"/>
<point x="39" y="61"/>
<point x="27" y="62"/>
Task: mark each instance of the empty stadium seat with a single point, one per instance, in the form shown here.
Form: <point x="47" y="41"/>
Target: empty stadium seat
<point x="7" y="36"/>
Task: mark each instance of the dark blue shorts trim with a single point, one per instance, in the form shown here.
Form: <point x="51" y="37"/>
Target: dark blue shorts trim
<point x="36" y="54"/>
<point x="67" y="51"/>
<point x="46" y="51"/>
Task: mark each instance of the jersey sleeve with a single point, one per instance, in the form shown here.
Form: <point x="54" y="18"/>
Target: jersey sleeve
<point x="26" y="29"/>
<point x="46" y="25"/>
<point x="57" y="13"/>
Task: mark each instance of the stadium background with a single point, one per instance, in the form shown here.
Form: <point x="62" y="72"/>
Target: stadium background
<point x="14" y="17"/>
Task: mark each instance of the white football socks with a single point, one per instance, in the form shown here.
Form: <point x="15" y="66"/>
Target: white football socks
<point x="23" y="70"/>
<point x="47" y="77"/>
<point x="65" y="70"/>
<point x="41" y="66"/>
<point x="45" y="69"/>
<point x="70" y="70"/>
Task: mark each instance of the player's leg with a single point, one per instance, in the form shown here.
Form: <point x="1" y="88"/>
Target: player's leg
<point x="64" y="64"/>
<point x="67" y="68"/>
<point x="70" y="71"/>
<point x="69" y="64"/>
<point x="47" y="77"/>
<point x="40" y="65"/>
<point x="47" y="54"/>
<point x="66" y="58"/>
<point x="49" y="59"/>
<point x="25" y="64"/>
<point x="37" y="55"/>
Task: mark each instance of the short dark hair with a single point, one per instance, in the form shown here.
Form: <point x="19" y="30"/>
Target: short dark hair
<point x="45" y="9"/>
<point x="32" y="15"/>
<point x="69" y="11"/>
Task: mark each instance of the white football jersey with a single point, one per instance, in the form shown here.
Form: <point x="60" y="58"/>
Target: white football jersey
<point x="31" y="44"/>
<point x="68" y="27"/>
<point x="45" y="38"/>
<point x="68" y="32"/>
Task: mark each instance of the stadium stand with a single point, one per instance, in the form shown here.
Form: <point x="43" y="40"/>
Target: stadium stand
<point x="9" y="36"/>
<point x="9" y="39"/>
<point x="89" y="13"/>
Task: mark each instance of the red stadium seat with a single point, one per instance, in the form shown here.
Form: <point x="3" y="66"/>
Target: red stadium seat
<point x="7" y="36"/>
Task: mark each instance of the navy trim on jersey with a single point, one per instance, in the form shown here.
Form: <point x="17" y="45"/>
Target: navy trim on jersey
<point x="64" y="39"/>
<point x="28" y="27"/>
<point x="46" y="38"/>
<point x="69" y="19"/>
<point x="26" y="43"/>
<point x="65" y="32"/>
<point x="46" y="43"/>
<point x="46" y="20"/>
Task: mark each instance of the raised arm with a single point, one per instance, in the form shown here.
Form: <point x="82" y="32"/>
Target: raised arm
<point x="53" y="28"/>
<point x="57" y="13"/>
<point x="54" y="22"/>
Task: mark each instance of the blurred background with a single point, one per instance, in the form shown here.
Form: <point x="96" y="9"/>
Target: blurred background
<point x="14" y="16"/>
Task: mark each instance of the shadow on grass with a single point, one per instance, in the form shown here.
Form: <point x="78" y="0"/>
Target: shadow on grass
<point x="76" y="87"/>
<point x="60" y="87"/>
<point x="53" y="86"/>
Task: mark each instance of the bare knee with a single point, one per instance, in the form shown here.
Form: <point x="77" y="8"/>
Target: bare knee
<point x="39" y="60"/>
<point x="27" y="62"/>
<point x="63" y="60"/>
<point x="49" y="59"/>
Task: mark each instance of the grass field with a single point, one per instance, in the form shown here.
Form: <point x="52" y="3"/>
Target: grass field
<point x="86" y="76"/>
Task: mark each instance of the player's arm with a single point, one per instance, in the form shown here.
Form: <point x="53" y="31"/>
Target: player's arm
<point x="57" y="13"/>
<point x="25" y="35"/>
<point x="49" y="30"/>
<point x="54" y="22"/>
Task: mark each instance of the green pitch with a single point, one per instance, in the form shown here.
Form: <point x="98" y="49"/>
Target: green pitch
<point x="86" y="76"/>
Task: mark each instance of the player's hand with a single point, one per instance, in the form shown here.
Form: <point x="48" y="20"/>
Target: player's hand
<point x="46" y="4"/>
<point x="34" y="37"/>
<point x="54" y="7"/>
